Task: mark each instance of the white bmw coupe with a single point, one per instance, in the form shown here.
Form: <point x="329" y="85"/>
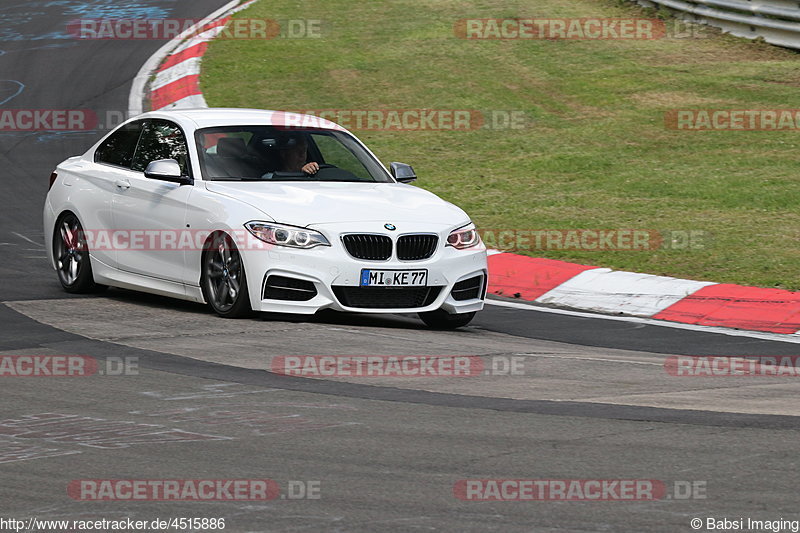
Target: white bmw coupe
<point x="252" y="210"/>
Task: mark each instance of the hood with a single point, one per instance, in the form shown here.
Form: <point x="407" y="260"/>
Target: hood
<point x="304" y="204"/>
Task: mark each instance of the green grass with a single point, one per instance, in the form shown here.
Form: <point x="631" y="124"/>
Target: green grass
<point x="595" y="152"/>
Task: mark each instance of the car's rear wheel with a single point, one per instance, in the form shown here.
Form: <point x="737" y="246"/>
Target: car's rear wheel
<point x="223" y="278"/>
<point x="441" y="319"/>
<point x="72" y="256"/>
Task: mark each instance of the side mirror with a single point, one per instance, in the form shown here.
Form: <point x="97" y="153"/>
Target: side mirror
<point x="402" y="172"/>
<point x="167" y="170"/>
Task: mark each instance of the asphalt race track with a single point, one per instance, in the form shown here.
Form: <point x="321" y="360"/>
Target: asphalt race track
<point x="594" y="401"/>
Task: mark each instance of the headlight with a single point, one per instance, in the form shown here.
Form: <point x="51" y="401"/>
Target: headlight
<point x="464" y="237"/>
<point x="282" y="235"/>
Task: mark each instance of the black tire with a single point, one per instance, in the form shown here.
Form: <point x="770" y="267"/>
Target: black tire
<point x="441" y="319"/>
<point x="71" y="255"/>
<point x="223" y="278"/>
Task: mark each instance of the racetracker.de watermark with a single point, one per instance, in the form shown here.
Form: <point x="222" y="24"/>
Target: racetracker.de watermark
<point x="66" y="366"/>
<point x="732" y="119"/>
<point x="121" y="240"/>
<point x="575" y="29"/>
<point x="408" y="119"/>
<point x="168" y="29"/>
<point x="165" y="490"/>
<point x="523" y="240"/>
<point x="23" y="120"/>
<point x="577" y="490"/>
<point x="397" y="366"/>
<point x="732" y="366"/>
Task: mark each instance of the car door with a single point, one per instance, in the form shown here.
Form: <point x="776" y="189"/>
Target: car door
<point x="97" y="182"/>
<point x="150" y="214"/>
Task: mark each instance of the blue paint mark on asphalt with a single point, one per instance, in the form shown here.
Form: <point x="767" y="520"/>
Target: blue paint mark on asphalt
<point x="114" y="9"/>
<point x="16" y="87"/>
<point x="13" y="22"/>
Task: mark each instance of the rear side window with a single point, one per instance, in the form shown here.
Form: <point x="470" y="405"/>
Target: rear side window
<point x="161" y="140"/>
<point x="119" y="148"/>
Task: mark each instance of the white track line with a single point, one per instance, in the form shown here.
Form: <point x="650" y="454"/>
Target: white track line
<point x="778" y="337"/>
<point x="600" y="359"/>
<point x="21" y="236"/>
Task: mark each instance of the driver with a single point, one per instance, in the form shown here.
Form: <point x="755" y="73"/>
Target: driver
<point x="294" y="156"/>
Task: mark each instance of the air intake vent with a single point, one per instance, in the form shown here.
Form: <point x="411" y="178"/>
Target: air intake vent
<point x="368" y="247"/>
<point x="416" y="247"/>
<point x="382" y="298"/>
<point x="288" y="289"/>
<point x="468" y="289"/>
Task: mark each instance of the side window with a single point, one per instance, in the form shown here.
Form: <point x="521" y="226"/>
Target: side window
<point x="118" y="149"/>
<point x="161" y="140"/>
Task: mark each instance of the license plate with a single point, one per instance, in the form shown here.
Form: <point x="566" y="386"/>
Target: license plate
<point x="394" y="278"/>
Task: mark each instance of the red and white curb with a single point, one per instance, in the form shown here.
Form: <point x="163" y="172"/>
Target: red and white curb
<point x="176" y="67"/>
<point x="602" y="290"/>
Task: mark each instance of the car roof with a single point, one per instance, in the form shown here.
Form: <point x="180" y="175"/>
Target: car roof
<point x="218" y="116"/>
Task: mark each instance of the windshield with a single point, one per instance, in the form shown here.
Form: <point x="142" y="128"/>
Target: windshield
<point x="265" y="153"/>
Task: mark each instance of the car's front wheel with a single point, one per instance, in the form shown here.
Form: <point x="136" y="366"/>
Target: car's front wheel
<point x="223" y="278"/>
<point x="72" y="256"/>
<point x="441" y="319"/>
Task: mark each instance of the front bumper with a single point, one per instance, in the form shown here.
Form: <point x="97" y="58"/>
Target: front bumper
<point x="329" y="267"/>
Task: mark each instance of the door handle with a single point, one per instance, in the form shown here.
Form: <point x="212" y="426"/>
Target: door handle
<point x="123" y="184"/>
